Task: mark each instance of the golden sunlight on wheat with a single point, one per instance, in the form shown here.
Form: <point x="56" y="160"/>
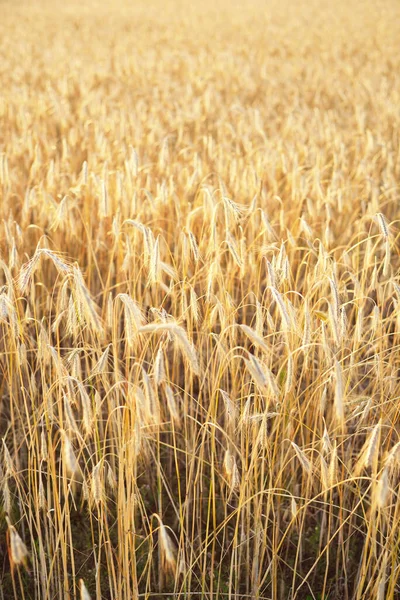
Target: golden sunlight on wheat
<point x="199" y="300"/>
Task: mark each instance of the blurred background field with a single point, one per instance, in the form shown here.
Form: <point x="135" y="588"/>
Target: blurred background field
<point x="199" y="300"/>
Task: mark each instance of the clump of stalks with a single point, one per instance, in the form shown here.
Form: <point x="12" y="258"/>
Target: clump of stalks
<point x="199" y="300"/>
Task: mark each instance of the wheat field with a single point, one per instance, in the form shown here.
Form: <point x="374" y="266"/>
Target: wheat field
<point x="200" y="300"/>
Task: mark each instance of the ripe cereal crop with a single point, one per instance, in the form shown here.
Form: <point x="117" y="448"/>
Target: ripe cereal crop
<point x="199" y="300"/>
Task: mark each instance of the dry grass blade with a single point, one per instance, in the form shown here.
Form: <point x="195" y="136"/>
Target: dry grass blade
<point x="255" y="338"/>
<point x="339" y="393"/>
<point x="19" y="552"/>
<point x="180" y="336"/>
<point x="29" y="268"/>
<point x="84" y="594"/>
<point x="305" y="463"/>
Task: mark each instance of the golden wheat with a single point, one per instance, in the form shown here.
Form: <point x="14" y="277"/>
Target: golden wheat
<point x="199" y="300"/>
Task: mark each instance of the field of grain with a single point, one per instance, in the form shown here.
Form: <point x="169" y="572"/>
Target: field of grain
<point x="200" y="300"/>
